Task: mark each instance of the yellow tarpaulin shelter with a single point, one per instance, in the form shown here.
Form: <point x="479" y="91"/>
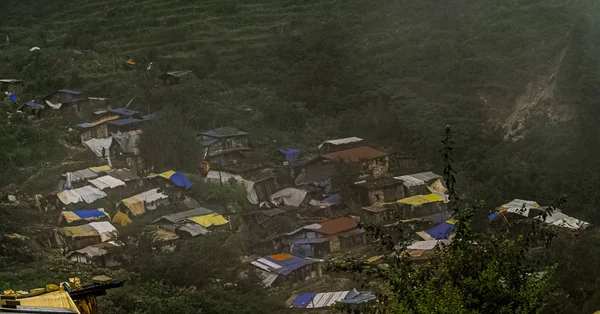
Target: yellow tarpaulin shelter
<point x="122" y="219"/>
<point x="135" y="205"/>
<point x="209" y="220"/>
<point x="167" y="174"/>
<point x="100" y="169"/>
<point x="79" y="231"/>
<point x="421" y="199"/>
<point x="438" y="186"/>
<point x="57" y="299"/>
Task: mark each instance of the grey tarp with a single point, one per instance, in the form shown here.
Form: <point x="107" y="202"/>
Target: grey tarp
<point x="178" y="217"/>
<point x="289" y="196"/>
<point x="128" y="141"/>
<point x="194" y="229"/>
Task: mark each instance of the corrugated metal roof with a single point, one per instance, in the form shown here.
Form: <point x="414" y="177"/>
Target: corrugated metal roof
<point x="124" y="121"/>
<point x="337" y="225"/>
<point x="418" y="178"/>
<point x="353" y="155"/>
<point x="177" y="217"/>
<point x="124" y="111"/>
<point x="283" y="267"/>
<point x="342" y="141"/>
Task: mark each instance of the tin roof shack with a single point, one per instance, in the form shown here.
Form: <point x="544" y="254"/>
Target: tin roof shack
<point x="286" y="269"/>
<point x="173" y="77"/>
<point x="418" y="183"/>
<point x="421" y="251"/>
<point x="97" y="254"/>
<point x="224" y="146"/>
<point x="12" y="86"/>
<point x="324" y="238"/>
<point x="373" y="163"/>
<point x="133" y="183"/>
<point x="343" y="233"/>
<point x="264" y="178"/>
<point x="336" y="145"/>
<point x="382" y="190"/>
<point x="96" y="129"/>
<point x="420" y="206"/>
<point x="64" y="100"/>
<point x="381" y="213"/>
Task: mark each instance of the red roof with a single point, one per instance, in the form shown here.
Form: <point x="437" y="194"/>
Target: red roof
<point x="357" y="154"/>
<point x="337" y="225"/>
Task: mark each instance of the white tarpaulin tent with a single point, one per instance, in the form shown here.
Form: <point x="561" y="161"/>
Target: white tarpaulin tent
<point x="89" y="194"/>
<point x="225" y="177"/>
<point x="97" y="145"/>
<point x="105" y="229"/>
<point x="288" y="196"/>
<point x="106" y="182"/>
<point x="520" y="207"/>
<point x="69" y="197"/>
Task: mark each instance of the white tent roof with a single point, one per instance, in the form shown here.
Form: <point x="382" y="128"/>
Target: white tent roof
<point x="342" y="141"/>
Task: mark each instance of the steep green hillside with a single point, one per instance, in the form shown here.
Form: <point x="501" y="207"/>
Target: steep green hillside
<point x="515" y="78"/>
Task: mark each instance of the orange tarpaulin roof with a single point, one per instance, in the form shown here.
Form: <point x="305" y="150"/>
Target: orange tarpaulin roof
<point x="281" y="256"/>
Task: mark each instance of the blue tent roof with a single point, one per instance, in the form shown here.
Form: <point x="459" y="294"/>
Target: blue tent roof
<point x="124" y="121"/>
<point x="291" y="154"/>
<point x="124" y="111"/>
<point x="89" y="213"/>
<point x="69" y="91"/>
<point x="441" y="231"/>
<point x="34" y="105"/>
<point x="180" y="180"/>
<point x="492" y="216"/>
<point x="333" y="199"/>
<point x="290" y="264"/>
<point x="303" y="300"/>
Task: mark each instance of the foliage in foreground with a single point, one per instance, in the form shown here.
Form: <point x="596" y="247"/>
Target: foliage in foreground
<point x="475" y="273"/>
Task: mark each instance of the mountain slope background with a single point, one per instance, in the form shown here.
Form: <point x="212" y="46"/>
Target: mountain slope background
<point x="517" y="80"/>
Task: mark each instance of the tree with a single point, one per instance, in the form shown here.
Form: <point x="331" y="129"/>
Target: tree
<point x="475" y="273"/>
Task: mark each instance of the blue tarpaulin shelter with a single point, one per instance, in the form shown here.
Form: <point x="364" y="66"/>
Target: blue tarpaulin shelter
<point x="180" y="180"/>
<point x="303" y="300"/>
<point x="89" y="213"/>
<point x="441" y="231"/>
<point x="291" y="154"/>
<point x="333" y="199"/>
<point x="493" y="216"/>
<point x="12" y="97"/>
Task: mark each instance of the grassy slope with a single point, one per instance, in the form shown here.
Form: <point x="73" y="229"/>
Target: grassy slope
<point x="394" y="72"/>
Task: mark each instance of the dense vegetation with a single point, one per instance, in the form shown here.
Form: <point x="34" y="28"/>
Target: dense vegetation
<point x="295" y="72"/>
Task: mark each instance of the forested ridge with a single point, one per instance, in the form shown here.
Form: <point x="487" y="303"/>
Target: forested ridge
<point x="517" y="80"/>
